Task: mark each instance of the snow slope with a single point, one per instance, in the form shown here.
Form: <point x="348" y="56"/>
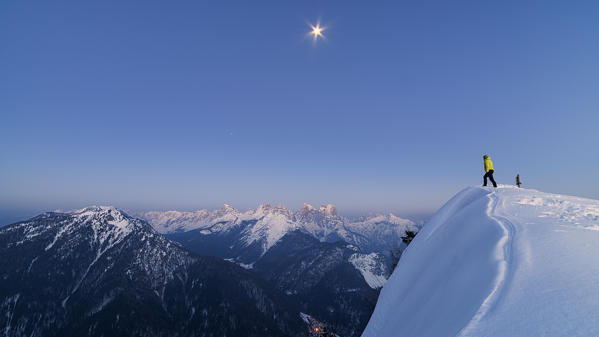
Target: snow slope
<point x="497" y="262"/>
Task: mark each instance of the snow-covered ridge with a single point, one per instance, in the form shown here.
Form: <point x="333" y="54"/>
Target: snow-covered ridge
<point x="109" y="225"/>
<point x="103" y="227"/>
<point x="497" y="262"/>
<point x="104" y="230"/>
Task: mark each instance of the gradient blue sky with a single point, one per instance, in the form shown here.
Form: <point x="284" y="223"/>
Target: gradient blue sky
<point x="190" y="104"/>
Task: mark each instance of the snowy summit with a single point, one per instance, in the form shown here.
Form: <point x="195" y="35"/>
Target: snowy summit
<point x="497" y="262"/>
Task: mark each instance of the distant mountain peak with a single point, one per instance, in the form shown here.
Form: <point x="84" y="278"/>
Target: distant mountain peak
<point x="264" y="208"/>
<point x="307" y="207"/>
<point x="328" y="210"/>
<point x="226" y="212"/>
<point x="228" y="208"/>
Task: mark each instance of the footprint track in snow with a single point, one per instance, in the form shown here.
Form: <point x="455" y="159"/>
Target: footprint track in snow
<point x="503" y="255"/>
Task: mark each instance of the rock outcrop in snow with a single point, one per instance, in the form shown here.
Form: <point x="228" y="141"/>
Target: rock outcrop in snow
<point x="497" y="262"/>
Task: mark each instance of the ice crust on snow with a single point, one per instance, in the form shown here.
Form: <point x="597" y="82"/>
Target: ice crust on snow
<point x="497" y="262"/>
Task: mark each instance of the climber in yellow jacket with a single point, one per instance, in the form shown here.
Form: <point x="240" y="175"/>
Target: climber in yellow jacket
<point x="488" y="171"/>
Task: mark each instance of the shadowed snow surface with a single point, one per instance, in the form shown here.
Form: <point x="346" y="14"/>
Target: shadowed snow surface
<point x="497" y="262"/>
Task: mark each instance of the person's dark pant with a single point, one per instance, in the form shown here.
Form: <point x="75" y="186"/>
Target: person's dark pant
<point x="490" y="176"/>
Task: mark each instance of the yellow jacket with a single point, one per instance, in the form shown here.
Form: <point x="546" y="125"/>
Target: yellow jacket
<point x="488" y="164"/>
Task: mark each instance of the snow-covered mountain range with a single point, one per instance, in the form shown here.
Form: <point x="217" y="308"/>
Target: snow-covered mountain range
<point x="266" y="225"/>
<point x="333" y="266"/>
<point x="497" y="262"/>
<point x="99" y="272"/>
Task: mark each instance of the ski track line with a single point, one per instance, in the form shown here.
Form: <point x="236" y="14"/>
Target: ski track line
<point x="503" y="254"/>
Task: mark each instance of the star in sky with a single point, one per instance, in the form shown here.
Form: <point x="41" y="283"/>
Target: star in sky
<point x="317" y="31"/>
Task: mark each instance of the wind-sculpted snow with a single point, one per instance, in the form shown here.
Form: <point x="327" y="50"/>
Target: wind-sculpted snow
<point x="497" y="262"/>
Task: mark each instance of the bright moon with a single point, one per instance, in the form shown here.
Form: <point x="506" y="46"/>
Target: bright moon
<point x="317" y="31"/>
